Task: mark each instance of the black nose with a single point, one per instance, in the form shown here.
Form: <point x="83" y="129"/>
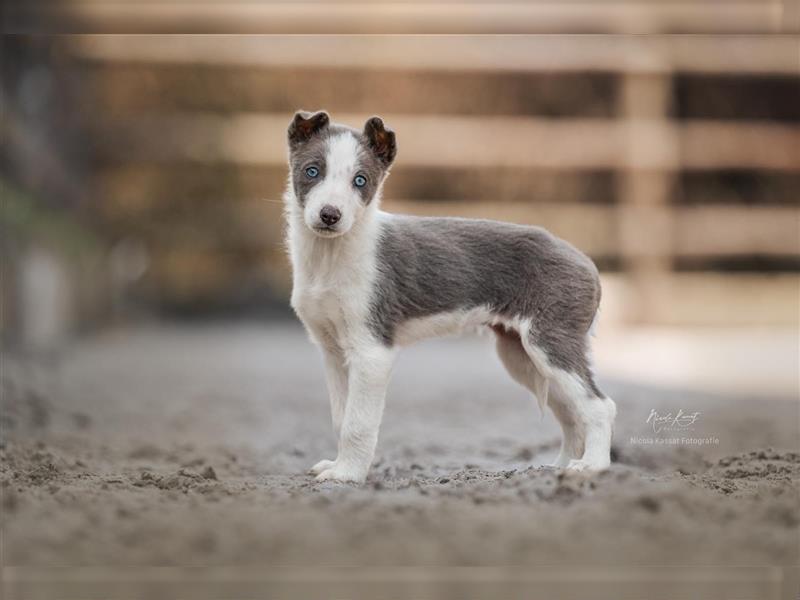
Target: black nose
<point x="330" y="215"/>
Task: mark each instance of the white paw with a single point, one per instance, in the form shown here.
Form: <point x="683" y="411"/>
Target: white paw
<point x="581" y="464"/>
<point x="342" y="474"/>
<point x="321" y="466"/>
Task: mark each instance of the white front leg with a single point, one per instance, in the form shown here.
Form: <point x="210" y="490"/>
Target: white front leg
<point x="336" y="373"/>
<point x="369" y="371"/>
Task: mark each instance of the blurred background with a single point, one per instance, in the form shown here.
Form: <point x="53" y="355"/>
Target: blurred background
<point x="142" y="175"/>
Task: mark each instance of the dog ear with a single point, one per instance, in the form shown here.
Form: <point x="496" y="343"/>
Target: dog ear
<point x="305" y="124"/>
<point x="381" y="140"/>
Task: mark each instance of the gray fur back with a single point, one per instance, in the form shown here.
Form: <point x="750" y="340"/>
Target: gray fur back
<point x="430" y="265"/>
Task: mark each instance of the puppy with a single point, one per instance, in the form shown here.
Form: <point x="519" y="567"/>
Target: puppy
<point x="366" y="283"/>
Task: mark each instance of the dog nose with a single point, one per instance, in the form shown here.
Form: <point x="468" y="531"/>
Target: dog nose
<point x="330" y="215"/>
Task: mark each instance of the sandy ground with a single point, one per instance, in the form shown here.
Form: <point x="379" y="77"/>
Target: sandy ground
<point x="188" y="446"/>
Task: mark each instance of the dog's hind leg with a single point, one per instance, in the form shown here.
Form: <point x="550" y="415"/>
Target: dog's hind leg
<point x="524" y="371"/>
<point x="585" y="413"/>
<point x="588" y="416"/>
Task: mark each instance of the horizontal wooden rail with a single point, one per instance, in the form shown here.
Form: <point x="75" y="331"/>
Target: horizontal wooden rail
<point x="446" y="141"/>
<point x="610" y="16"/>
<point x="699" y="231"/>
<point x="736" y="230"/>
<point x="709" y="299"/>
<point x="591" y="227"/>
<point x="129" y="89"/>
<point x="704" y="231"/>
<point x="554" y="53"/>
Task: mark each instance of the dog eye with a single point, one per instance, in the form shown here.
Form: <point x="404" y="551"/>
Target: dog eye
<point x="360" y="181"/>
<point x="312" y="172"/>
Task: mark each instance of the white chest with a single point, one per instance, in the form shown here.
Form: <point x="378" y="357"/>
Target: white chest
<point x="331" y="293"/>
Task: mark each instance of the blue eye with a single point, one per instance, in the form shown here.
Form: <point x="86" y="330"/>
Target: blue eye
<point x="360" y="181"/>
<point x="312" y="172"/>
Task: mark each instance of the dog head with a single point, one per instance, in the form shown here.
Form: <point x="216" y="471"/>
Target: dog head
<point x="337" y="171"/>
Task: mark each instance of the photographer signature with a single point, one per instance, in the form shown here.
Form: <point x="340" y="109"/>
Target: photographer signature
<point x="669" y="421"/>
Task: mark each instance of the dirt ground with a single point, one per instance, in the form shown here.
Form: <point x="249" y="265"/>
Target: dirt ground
<point x="188" y="446"/>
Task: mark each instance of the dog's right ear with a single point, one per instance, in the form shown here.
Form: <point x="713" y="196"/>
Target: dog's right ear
<point x="305" y="125"/>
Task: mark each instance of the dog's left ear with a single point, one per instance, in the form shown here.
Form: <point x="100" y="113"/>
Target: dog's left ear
<point x="381" y="140"/>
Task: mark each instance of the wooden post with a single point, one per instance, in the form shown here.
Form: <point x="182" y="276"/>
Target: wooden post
<point x="645" y="218"/>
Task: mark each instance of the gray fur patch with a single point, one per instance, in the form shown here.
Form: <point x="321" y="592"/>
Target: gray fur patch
<point x="432" y="265"/>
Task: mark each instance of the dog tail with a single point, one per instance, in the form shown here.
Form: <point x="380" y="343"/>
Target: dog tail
<point x="541" y="389"/>
<point x="541" y="383"/>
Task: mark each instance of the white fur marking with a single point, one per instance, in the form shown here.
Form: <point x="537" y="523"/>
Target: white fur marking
<point x="336" y="189"/>
<point x="442" y="324"/>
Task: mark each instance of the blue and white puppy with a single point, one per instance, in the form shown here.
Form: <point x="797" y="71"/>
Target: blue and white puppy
<point x="367" y="283"/>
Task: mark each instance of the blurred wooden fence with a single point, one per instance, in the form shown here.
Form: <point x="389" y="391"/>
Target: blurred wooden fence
<point x="673" y="160"/>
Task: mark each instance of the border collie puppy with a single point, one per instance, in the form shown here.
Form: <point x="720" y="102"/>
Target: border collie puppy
<point x="366" y="283"/>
